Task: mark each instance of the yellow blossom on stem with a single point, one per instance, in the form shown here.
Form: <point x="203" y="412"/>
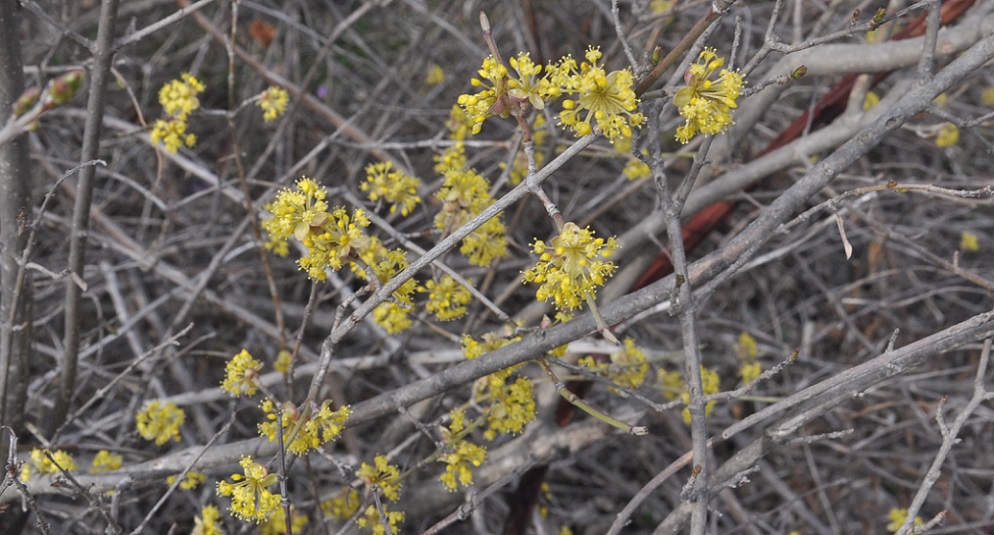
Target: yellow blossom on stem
<point x="283" y="361"/>
<point x="627" y="367"/>
<point x="44" y="465"/>
<point x="571" y="267"/>
<point x="276" y="525"/>
<point x="377" y="523"/>
<point x="172" y="134"/>
<point x="394" y="187"/>
<point x="436" y="74"/>
<point x="711" y="381"/>
<point x="207" y="523"/>
<point x="179" y="97"/>
<point x="241" y="375"/>
<point x="160" y="422"/>
<point x="491" y="99"/>
<point x="602" y="99"/>
<point x="898" y="516"/>
<point x="321" y="426"/>
<point x="968" y="242"/>
<point x="464" y="194"/>
<point x="381" y="475"/>
<point x="458" y="458"/>
<point x="106" y="461"/>
<point x="273" y="103"/>
<point x="512" y="405"/>
<point x="342" y="506"/>
<point x="947" y="136"/>
<point x="249" y="492"/>
<point x="191" y="481"/>
<point x="447" y="299"/>
<point x="707" y="104"/>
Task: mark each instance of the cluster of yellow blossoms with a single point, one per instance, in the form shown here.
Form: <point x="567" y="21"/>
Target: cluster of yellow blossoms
<point x="599" y="98"/>
<point x="571" y="267"/>
<point x="705" y="103"/>
<point x="178" y="99"/>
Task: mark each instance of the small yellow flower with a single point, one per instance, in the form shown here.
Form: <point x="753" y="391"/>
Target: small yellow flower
<point x="208" y="522"/>
<point x="458" y="458"/>
<point x="948" y="135"/>
<point x="571" y="267"/>
<point x="383" y="476"/>
<point x="44" y="465"/>
<point x="707" y="104"/>
<point x="447" y="299"/>
<point x="436" y="74"/>
<point x="377" y="524"/>
<point x="249" y="492"/>
<point x="627" y="367"/>
<point x="172" y="134"/>
<point x="394" y="187"/>
<point x="343" y="505"/>
<point x="276" y="525"/>
<point x="968" y="242"/>
<point x="160" y="422"/>
<point x="283" y="361"/>
<point x="605" y="99"/>
<point x="179" y="97"/>
<point x="746" y="348"/>
<point x="106" y="461"/>
<point x="241" y="375"/>
<point x="712" y="385"/>
<point x="897" y="517"/>
<point x="323" y="425"/>
<point x="273" y="103"/>
<point x="191" y="481"/>
<point x="871" y="100"/>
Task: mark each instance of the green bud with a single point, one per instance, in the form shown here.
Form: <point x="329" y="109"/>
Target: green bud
<point x="65" y="87"/>
<point x="26" y="101"/>
<point x="799" y="72"/>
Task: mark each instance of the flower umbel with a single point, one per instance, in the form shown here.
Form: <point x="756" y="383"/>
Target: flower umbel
<point x="160" y="422"/>
<point x="273" y="103"/>
<point x="394" y="187"/>
<point x="571" y="267"/>
<point x="241" y="375"/>
<point x="447" y="299"/>
<point x="377" y="523"/>
<point x="207" y="522"/>
<point x="383" y="476"/>
<point x="602" y="99"/>
<point x="706" y="104"/>
<point x="106" y="461"/>
<point x="250" y="497"/>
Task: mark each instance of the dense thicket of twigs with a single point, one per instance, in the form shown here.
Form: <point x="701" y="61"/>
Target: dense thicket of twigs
<point x="887" y="339"/>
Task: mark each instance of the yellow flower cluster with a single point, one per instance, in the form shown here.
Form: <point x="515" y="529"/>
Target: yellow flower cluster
<point x="303" y="432"/>
<point x="207" y="523"/>
<point x="273" y="103"/>
<point x="459" y="454"/>
<point x="43" y="465"/>
<point x="105" y="461"/>
<point x="600" y="98"/>
<point x="384" y="478"/>
<point x="447" y="299"/>
<point x="190" y="482"/>
<point x="331" y="238"/>
<point x="241" y="375"/>
<point x="510" y="405"/>
<point x="394" y="187"/>
<point x="393" y="316"/>
<point x="160" y="422"/>
<point x="571" y="267"/>
<point x="377" y="523"/>
<point x="707" y="104"/>
<point x="276" y="525"/>
<point x="627" y="367"/>
<point x="249" y="492"/>
<point x="898" y="516"/>
<point x="747" y="351"/>
<point x="178" y="99"/>
<point x="607" y="99"/>
<point x="464" y="194"/>
<point x="342" y="506"/>
<point x="381" y="476"/>
<point x="673" y="386"/>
